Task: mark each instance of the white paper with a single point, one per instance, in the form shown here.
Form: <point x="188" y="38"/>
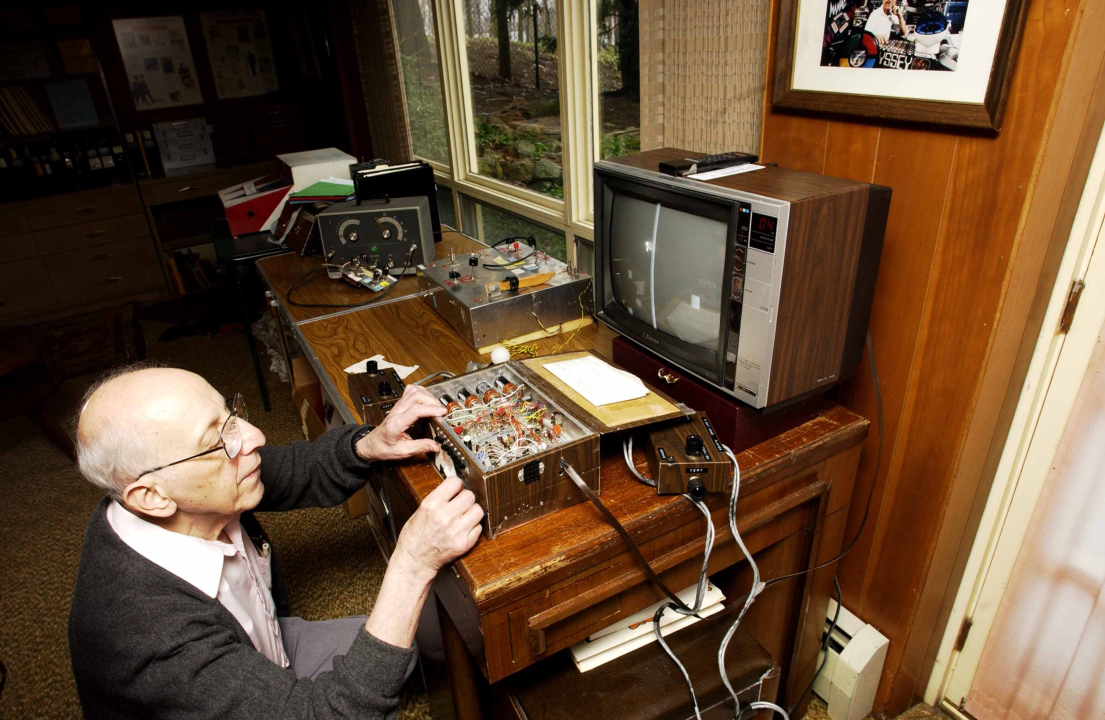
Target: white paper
<point x="158" y="62"/>
<point x="240" y="53"/>
<point x="339" y="181"/>
<point x="402" y="370"/>
<point x="636" y="631"/>
<point x="599" y="383"/>
<point x="722" y="172"/>
<point x="641" y="621"/>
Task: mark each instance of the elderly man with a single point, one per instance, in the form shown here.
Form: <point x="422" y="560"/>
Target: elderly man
<point x="177" y="607"/>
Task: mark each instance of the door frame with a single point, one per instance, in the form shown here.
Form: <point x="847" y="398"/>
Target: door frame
<point x="1057" y="369"/>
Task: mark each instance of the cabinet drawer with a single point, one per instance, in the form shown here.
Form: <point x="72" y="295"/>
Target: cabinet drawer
<point x="13" y="221"/>
<point x="97" y="232"/>
<point x="25" y="288"/>
<point x="191" y="187"/>
<point x="105" y="271"/>
<point x="18" y="247"/>
<point x="83" y="207"/>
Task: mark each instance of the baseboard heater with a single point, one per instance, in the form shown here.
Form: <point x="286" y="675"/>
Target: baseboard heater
<point x="856" y="652"/>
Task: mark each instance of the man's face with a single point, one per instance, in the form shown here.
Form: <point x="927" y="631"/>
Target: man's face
<point x="186" y="419"/>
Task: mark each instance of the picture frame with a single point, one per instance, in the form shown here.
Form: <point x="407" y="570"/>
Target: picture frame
<point x="948" y="62"/>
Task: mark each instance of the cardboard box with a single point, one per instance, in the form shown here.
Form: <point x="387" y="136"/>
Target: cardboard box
<point x="309" y="167"/>
<point x="307" y="395"/>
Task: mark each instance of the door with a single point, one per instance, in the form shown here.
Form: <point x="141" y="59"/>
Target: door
<point x="1027" y="636"/>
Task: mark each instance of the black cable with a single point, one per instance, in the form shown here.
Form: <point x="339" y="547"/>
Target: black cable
<point x="871" y="492"/>
<point x="323" y="266"/>
<point x="533" y="251"/>
<point x="824" y="647"/>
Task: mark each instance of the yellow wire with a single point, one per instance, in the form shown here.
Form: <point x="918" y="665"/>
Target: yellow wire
<point x="582" y="314"/>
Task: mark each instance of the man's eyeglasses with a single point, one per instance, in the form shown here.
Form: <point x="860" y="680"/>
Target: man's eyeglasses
<point x="230" y="435"/>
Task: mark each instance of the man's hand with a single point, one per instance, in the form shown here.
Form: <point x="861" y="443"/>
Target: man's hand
<point x="391" y="441"/>
<point x="444" y="527"/>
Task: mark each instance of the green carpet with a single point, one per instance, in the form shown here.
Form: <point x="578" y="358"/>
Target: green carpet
<point x="332" y="565"/>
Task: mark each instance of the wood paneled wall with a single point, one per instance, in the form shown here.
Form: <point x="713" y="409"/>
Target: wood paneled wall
<point x="946" y="328"/>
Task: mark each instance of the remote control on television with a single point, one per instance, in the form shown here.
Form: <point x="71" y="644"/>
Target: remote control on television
<point x="691" y="166"/>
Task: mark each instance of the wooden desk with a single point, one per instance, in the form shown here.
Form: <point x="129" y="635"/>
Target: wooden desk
<point x="280" y="274"/>
<point x="539" y="588"/>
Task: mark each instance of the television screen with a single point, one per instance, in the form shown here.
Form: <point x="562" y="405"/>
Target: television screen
<point x="667" y="268"/>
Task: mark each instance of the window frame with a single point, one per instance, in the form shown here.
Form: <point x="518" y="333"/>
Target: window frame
<point x="578" y="67"/>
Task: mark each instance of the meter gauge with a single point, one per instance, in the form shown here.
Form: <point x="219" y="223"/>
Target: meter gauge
<point x="390" y="228"/>
<point x="349" y="231"/>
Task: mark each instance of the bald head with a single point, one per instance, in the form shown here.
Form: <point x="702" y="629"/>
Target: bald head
<point x="136" y="419"/>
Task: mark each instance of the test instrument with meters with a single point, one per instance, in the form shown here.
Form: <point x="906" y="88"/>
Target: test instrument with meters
<point x="378" y="233"/>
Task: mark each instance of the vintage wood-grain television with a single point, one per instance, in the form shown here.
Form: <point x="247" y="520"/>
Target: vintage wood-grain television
<point x="759" y="283"/>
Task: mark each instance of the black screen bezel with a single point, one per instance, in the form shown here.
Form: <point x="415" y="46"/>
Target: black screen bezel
<point x="708" y="364"/>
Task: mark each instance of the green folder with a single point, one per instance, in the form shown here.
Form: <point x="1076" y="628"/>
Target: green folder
<point x="325" y="189"/>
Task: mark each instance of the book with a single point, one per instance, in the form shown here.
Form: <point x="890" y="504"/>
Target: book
<point x="175" y="273"/>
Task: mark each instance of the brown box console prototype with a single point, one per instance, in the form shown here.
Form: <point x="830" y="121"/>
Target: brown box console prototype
<point x="686" y="456"/>
<point x="507" y="428"/>
<point x="505" y="438"/>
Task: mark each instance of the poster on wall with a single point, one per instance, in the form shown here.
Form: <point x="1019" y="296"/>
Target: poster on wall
<point x="158" y="62"/>
<point x="854" y="56"/>
<point x="240" y="53"/>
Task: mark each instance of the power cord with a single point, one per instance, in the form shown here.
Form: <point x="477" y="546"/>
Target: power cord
<point x="870" y="493"/>
<point x="824" y="646"/>
<point x="307" y="275"/>
<point x="757" y="586"/>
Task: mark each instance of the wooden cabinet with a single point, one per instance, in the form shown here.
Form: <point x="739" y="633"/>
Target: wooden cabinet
<point x="60" y="254"/>
<point x="25" y="289"/>
<point x="181" y="209"/>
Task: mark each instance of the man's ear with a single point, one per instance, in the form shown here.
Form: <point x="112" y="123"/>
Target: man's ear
<point x="147" y="498"/>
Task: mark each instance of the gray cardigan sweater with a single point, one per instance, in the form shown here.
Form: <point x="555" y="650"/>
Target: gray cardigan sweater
<point x="146" y="644"/>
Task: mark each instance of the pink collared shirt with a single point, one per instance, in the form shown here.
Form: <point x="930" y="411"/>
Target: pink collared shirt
<point x="233" y="573"/>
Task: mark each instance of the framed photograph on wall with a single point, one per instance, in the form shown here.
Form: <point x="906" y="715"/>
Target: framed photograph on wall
<point x="940" y="61"/>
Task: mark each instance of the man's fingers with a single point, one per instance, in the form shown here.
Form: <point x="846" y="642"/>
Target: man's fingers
<point x="421" y="396"/>
<point x="472" y="516"/>
<point x="401" y="449"/>
<point x="463" y="501"/>
<point x="445" y="492"/>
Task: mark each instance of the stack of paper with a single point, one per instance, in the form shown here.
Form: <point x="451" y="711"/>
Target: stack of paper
<point x="599" y="382"/>
<point x="402" y="370"/>
<point x="636" y="630"/>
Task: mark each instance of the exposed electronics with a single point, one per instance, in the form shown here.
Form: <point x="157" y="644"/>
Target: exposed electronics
<point x="380" y="233"/>
<point x="502" y="294"/>
<point x="382" y="180"/>
<point x="686" y="456"/>
<point x="691" y="165"/>
<point x="370" y="277"/>
<point x="759" y="283"/>
<point x="375" y="392"/>
<point x="504" y="438"/>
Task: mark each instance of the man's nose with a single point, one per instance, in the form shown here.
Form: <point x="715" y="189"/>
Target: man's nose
<point x="252" y="437"/>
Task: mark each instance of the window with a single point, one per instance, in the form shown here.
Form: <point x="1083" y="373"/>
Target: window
<point x="500" y="96"/>
<point x="514" y="90"/>
<point x="619" y="78"/>
<point x="489" y="225"/>
<point x="445" y="207"/>
<point x="418" y="60"/>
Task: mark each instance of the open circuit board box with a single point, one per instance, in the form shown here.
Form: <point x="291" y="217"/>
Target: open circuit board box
<point x="508" y="426"/>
